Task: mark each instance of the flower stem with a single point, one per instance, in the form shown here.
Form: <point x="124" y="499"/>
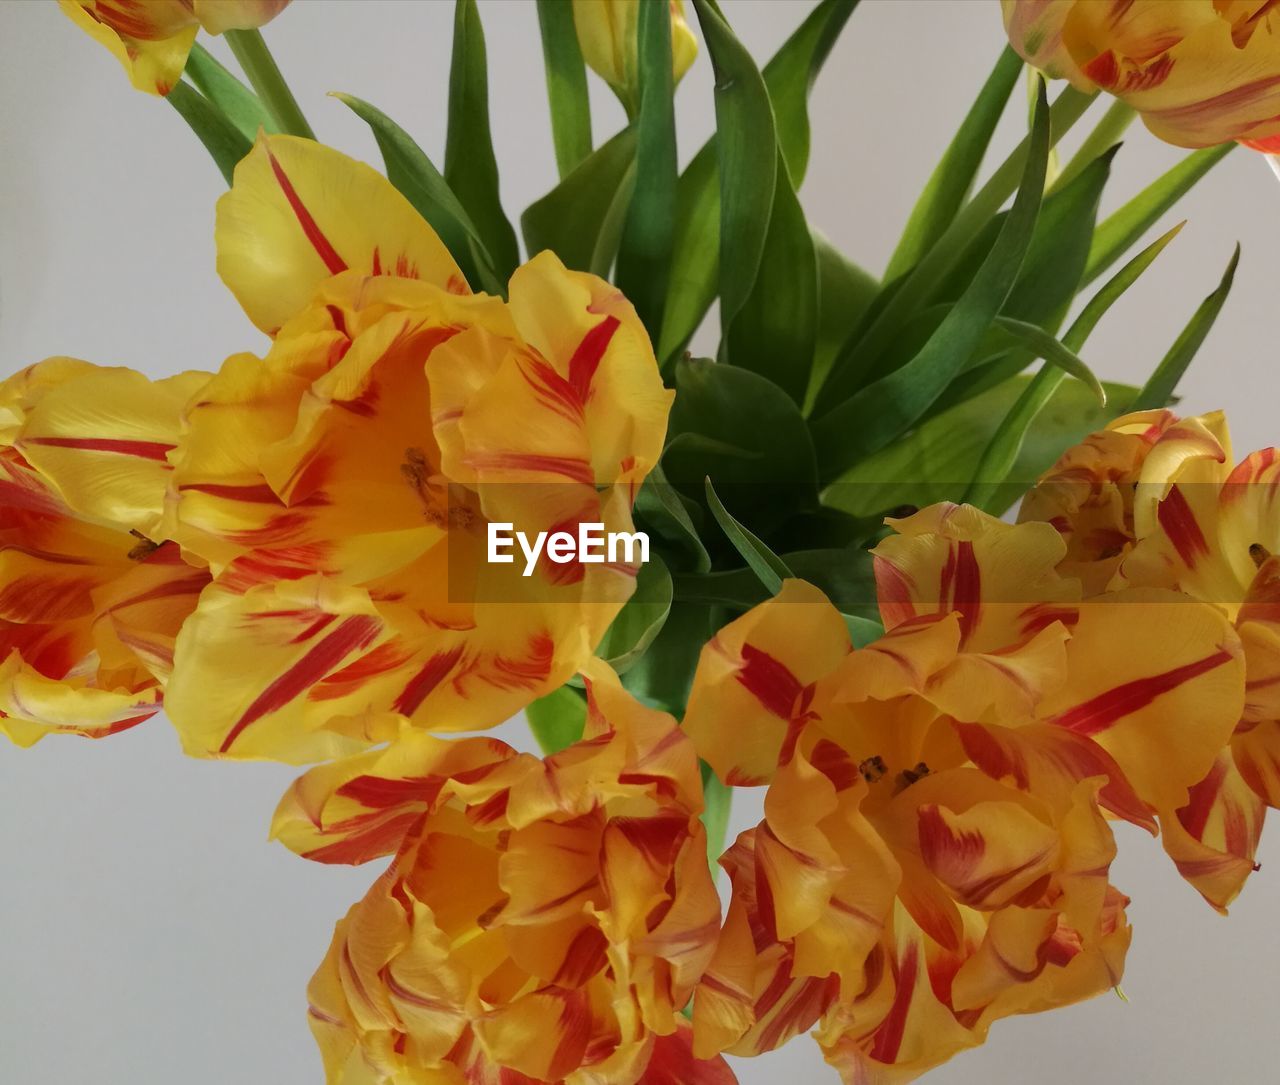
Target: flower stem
<point x="718" y="798"/>
<point x="263" y="73"/>
<point x="1105" y="135"/>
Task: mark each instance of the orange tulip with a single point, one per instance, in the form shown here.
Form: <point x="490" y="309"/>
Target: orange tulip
<point x="342" y="487"/>
<point x="543" y="921"/>
<point x="1196" y="526"/>
<point x="1198" y="72"/>
<point x="890" y="855"/>
<point x="151" y="38"/>
<point x="91" y="594"/>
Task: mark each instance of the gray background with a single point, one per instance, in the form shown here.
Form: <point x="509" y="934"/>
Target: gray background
<point x="148" y="933"/>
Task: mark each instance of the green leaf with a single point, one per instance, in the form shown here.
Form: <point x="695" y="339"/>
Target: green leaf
<point x="844" y="575"/>
<point x="572" y="219"/>
<point x="747" y="152"/>
<point x="1104" y="137"/>
<point x="641" y="619"/>
<point x="863" y="357"/>
<point x="225" y="143"/>
<point x="469" y="164"/>
<point x="645" y="253"/>
<point x="845" y="292"/>
<point x="790" y="75"/>
<point x="952" y="179"/>
<point x="886" y="409"/>
<point x="661" y="678"/>
<point x="939" y="458"/>
<point x="776" y="332"/>
<point x="418" y="180"/>
<point x="238" y="103"/>
<point x="1046" y="346"/>
<point x="1158" y="391"/>
<point x="717" y="802"/>
<point x="1006" y="443"/>
<point x="759" y="558"/>
<point x="566" y="85"/>
<point x="661" y="507"/>
<point x="695" y="263"/>
<point x="1122" y="228"/>
<point x="748" y="435"/>
<point x="862" y="631"/>
<point x="558" y="719"/>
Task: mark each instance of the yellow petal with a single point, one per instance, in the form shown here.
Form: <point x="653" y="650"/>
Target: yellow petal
<point x="151" y="40"/>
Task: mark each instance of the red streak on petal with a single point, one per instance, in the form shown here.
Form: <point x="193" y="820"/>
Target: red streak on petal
<point x="433" y="672"/>
<point x="146" y="450"/>
<point x="353" y="634"/>
<point x="1104" y="710"/>
<point x="586" y="359"/>
<point x="314" y="234"/>
<point x="888" y="1037"/>
<point x="769" y="681"/>
<point x="1179" y="523"/>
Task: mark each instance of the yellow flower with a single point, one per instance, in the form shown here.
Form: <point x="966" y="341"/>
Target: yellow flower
<point x="607" y="34"/>
<point x="1153" y="504"/>
<point x="1199" y="72"/>
<point x="543" y="921"/>
<point x="91" y="594"/>
<point x="342" y="487"/>
<point x="902" y="893"/>
<point x="151" y="38"/>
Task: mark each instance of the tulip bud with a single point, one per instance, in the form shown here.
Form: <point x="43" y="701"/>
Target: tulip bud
<point x="151" y="38"/>
<point x="608" y="34"/>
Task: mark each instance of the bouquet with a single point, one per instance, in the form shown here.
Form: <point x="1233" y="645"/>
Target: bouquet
<point x="895" y="557"/>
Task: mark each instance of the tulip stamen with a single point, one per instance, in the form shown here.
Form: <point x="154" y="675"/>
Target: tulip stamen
<point x="873" y="769"/>
<point x="909" y="776"/>
<point x="1260" y="554"/>
<point x="145" y="548"/>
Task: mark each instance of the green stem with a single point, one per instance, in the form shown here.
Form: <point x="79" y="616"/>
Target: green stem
<point x="1105" y="135"/>
<point x="717" y="800"/>
<point x="264" y="75"/>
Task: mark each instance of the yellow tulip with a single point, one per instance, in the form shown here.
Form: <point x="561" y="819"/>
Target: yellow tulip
<point x="543" y="920"/>
<point x="900" y="844"/>
<point x="151" y="38"/>
<point x="1198" y="72"/>
<point x="341" y="487"/>
<point x="91" y="594"/>
<point x="607" y="34"/>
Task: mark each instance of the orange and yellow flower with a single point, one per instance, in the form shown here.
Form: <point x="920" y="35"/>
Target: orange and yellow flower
<point x="1193" y="524"/>
<point x="151" y="38"/>
<point x="1198" y="72"/>
<point x="901" y="893"/>
<point x="608" y="36"/>
<point x="91" y="594"/>
<point x="544" y="921"/>
<point x="341" y="487"/>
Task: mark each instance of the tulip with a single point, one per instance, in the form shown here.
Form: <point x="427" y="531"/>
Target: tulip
<point x="1198" y="72"/>
<point x="341" y="487"/>
<point x="151" y="38"/>
<point x="91" y="593"/>
<point x="542" y="921"/>
<point x="607" y="35"/>
<point x="895" y="847"/>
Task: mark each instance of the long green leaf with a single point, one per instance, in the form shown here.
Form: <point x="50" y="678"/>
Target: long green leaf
<point x="790" y="75"/>
<point x="641" y="619"/>
<point x="1122" y="228"/>
<point x="645" y="253"/>
<point x="225" y="142"/>
<point x="566" y="84"/>
<point x="951" y="181"/>
<point x="776" y="332"/>
<point x="418" y="180"/>
<point x="862" y="356"/>
<point x="1158" y="390"/>
<point x="695" y="263"/>
<point x="470" y="167"/>
<point x="571" y="218"/>
<point x="224" y="90"/>
<point x="1002" y="451"/>
<point x="1104" y="137"/>
<point x="717" y="803"/>
<point x="762" y="561"/>
<point x="661" y="507"/>
<point x="887" y="408"/>
<point x="746" y="148"/>
<point x="845" y="576"/>
<point x="1052" y="351"/>
<point x="558" y="719"/>
<point x="844" y="293"/>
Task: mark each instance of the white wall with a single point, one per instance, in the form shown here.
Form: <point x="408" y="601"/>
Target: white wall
<point x="148" y="933"/>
